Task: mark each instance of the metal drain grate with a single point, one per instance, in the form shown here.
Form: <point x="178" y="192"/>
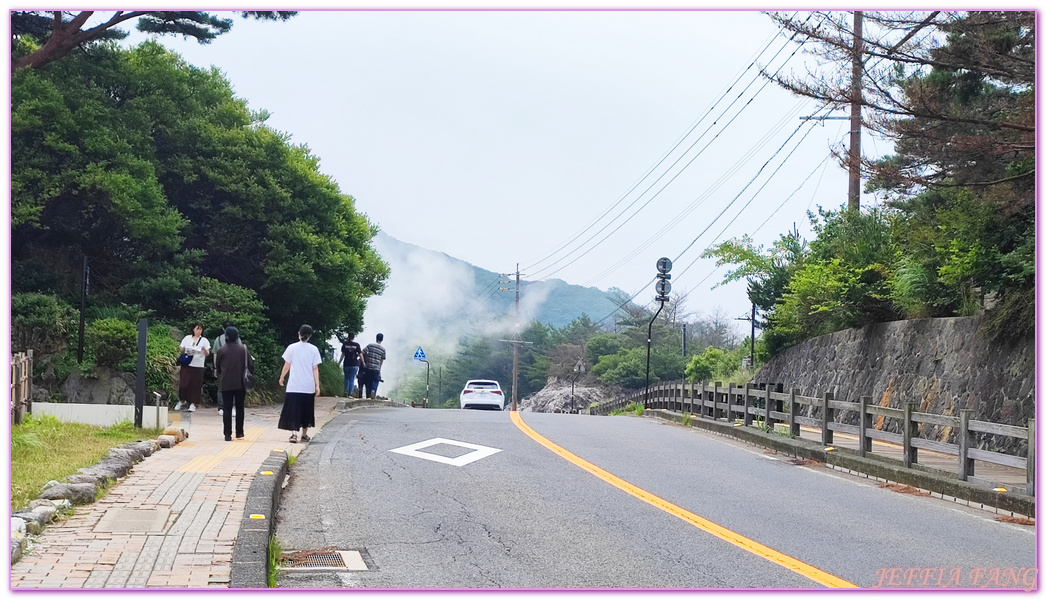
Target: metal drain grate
<point x="330" y="559"/>
<point x="325" y="559"/>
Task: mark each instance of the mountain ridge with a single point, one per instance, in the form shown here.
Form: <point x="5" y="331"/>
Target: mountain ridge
<point x="551" y="302"/>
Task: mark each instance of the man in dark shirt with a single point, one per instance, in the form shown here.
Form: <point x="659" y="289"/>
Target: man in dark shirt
<point x="350" y="360"/>
<point x="374" y="356"/>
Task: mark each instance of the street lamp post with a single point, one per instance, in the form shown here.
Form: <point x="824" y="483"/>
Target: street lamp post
<point x="662" y="287"/>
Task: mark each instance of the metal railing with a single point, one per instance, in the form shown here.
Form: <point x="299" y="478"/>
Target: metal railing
<point x="757" y="405"/>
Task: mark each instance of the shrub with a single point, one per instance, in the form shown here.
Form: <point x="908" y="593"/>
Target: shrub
<point x="111" y="341"/>
<point x="332" y="379"/>
<point x="40" y="322"/>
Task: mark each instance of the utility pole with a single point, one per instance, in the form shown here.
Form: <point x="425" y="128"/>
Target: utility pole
<point x="854" y="154"/>
<point x="516" y="337"/>
<point x="752" y="335"/>
<point x="515" y="340"/>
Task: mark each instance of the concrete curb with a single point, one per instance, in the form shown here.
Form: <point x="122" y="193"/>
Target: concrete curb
<point x="875" y="466"/>
<point x="250" y="568"/>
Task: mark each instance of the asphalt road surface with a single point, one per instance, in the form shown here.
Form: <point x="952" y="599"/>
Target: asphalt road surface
<point x="467" y="499"/>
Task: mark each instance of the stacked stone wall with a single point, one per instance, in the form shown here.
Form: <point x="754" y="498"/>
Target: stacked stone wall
<point x="944" y="365"/>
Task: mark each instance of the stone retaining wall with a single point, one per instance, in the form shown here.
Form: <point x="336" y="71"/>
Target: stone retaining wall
<point x="942" y="364"/>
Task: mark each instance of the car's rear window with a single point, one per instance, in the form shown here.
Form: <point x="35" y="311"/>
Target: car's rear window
<point x="483" y="385"/>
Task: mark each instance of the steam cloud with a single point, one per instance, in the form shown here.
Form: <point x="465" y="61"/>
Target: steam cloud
<point x="430" y="301"/>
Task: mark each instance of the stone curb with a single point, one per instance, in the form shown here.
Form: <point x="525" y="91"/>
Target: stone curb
<point x="250" y="567"/>
<point x="879" y="466"/>
<point x="365" y="403"/>
<point x="251" y="553"/>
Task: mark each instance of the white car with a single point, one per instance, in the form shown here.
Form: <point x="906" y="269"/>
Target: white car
<point x="482" y="393"/>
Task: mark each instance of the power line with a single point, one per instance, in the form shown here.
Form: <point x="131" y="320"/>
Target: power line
<point x="722" y="180"/>
<point x="664" y="156"/>
<point x="666" y="172"/>
<point x="691" y="161"/>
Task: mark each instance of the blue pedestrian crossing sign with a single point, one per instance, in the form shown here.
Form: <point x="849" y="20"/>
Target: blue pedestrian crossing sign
<point x="420" y="354"/>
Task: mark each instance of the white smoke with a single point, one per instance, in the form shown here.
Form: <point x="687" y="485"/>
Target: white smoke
<point x="430" y="301"/>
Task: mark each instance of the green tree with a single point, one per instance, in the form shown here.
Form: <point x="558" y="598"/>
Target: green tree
<point x="601" y="344"/>
<point x="711" y="363"/>
<point x="158" y="174"/>
<point x="49" y="36"/>
<point x="955" y="91"/>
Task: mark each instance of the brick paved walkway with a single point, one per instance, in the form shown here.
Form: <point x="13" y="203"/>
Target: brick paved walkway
<point x="172" y="522"/>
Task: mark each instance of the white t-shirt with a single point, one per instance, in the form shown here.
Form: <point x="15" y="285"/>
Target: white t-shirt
<point x="196" y="351"/>
<point x="303" y="356"/>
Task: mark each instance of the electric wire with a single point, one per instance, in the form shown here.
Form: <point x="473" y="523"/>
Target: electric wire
<point x="823" y="164"/>
<point x="755" y="194"/>
<point x="694" y="205"/>
<point x="664" y="156"/>
<point x="699" y="153"/>
<point x="669" y="169"/>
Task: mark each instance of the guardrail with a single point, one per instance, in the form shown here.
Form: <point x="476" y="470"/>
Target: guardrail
<point x="21" y="385"/>
<point x="755" y="404"/>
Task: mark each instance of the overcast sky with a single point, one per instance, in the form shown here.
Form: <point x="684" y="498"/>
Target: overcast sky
<point x="499" y="137"/>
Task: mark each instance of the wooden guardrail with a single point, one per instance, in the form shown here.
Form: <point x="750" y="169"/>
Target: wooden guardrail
<point x="759" y="406"/>
<point x="21" y="385"/>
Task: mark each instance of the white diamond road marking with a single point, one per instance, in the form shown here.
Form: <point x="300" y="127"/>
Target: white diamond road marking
<point x="477" y="453"/>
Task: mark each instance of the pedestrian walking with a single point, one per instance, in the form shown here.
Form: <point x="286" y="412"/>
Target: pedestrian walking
<point x="374" y="356"/>
<point x="351" y="360"/>
<point x="219" y="341"/>
<point x="232" y="362"/>
<point x="302" y="370"/>
<point x="191" y="376"/>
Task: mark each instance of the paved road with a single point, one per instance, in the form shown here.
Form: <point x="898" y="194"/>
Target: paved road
<point x="527" y="517"/>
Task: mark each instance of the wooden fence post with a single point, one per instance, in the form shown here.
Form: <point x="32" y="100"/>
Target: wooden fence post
<point x="16" y="392"/>
<point x="827" y="417"/>
<point x="731" y="391"/>
<point x="864" y="423"/>
<point x="794" y="427"/>
<point x="1030" y="460"/>
<point x="29" y="382"/>
<point x="716" y="400"/>
<point x="768" y="406"/>
<point x="747" y="418"/>
<point x="963" y="436"/>
<point x="908" y="429"/>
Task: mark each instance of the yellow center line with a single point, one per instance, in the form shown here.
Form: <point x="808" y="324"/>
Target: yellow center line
<point x="797" y="566"/>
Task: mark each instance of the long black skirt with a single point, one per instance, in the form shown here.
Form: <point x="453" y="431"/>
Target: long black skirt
<point x="297" y="411"/>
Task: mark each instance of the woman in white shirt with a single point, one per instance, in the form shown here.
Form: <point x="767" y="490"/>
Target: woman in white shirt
<point x="302" y="363"/>
<point x="191" y="376"/>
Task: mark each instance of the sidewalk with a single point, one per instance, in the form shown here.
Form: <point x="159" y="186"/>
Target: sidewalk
<point x="173" y="521"/>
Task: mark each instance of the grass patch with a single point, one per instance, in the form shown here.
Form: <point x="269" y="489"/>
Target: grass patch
<point x="275" y="552"/>
<point x="292" y="459"/>
<point x="633" y="408"/>
<point x="44" y="448"/>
